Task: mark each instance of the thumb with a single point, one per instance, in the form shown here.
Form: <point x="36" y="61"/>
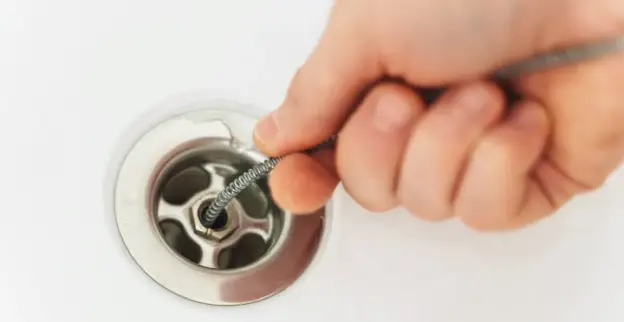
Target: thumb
<point x="322" y="92"/>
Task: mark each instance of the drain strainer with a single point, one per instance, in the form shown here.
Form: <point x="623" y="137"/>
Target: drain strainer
<point x="253" y="250"/>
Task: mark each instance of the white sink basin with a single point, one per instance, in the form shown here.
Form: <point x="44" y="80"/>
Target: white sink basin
<point x="76" y="75"/>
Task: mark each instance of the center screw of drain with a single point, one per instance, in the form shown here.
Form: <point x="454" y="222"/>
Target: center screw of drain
<point x="225" y="225"/>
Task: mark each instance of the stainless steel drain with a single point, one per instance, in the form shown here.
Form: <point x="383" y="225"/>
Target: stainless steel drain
<point x="252" y="251"/>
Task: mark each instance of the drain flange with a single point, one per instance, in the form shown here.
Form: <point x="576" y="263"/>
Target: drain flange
<point x="168" y="177"/>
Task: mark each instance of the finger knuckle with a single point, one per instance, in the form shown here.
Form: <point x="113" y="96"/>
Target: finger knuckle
<point x="426" y="209"/>
<point x="376" y="202"/>
<point x="497" y="150"/>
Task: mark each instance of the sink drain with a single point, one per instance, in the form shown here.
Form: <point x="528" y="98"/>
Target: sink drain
<point x="171" y="174"/>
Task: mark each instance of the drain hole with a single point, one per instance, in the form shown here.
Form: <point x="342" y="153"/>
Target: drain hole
<point x="179" y="241"/>
<point x="220" y="222"/>
<point x="182" y="186"/>
<point x="249" y="249"/>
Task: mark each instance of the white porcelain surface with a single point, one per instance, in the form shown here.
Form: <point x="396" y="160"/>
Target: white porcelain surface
<point x="76" y="75"/>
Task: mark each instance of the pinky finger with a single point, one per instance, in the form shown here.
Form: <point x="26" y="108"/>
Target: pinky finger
<point x="498" y="191"/>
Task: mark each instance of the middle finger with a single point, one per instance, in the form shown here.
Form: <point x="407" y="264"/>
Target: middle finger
<point x="440" y="144"/>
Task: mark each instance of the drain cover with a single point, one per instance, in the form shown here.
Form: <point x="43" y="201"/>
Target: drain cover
<point x="173" y="171"/>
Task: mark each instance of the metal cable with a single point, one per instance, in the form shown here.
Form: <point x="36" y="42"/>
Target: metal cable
<point x="548" y="60"/>
<point x="210" y="214"/>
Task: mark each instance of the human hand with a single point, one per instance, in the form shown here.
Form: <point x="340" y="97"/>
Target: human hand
<point x="462" y="156"/>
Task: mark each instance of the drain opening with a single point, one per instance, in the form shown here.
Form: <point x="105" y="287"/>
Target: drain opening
<point x="179" y="241"/>
<point x="184" y="184"/>
<point x="248" y="250"/>
<point x="220" y="222"/>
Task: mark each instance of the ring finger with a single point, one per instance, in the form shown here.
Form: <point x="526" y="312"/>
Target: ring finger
<point x="439" y="146"/>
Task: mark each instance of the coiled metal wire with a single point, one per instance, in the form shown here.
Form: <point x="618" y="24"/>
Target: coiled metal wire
<point x="243" y="181"/>
<point x="549" y="60"/>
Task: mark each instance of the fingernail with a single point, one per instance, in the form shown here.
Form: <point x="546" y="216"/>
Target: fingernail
<point x="391" y="114"/>
<point x="266" y="129"/>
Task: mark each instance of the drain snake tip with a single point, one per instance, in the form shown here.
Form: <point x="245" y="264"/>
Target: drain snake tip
<point x="210" y="214"/>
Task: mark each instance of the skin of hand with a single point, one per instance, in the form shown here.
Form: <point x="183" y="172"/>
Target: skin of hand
<point x="462" y="156"/>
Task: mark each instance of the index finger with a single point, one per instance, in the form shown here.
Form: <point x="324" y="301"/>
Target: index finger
<point x="322" y="92"/>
